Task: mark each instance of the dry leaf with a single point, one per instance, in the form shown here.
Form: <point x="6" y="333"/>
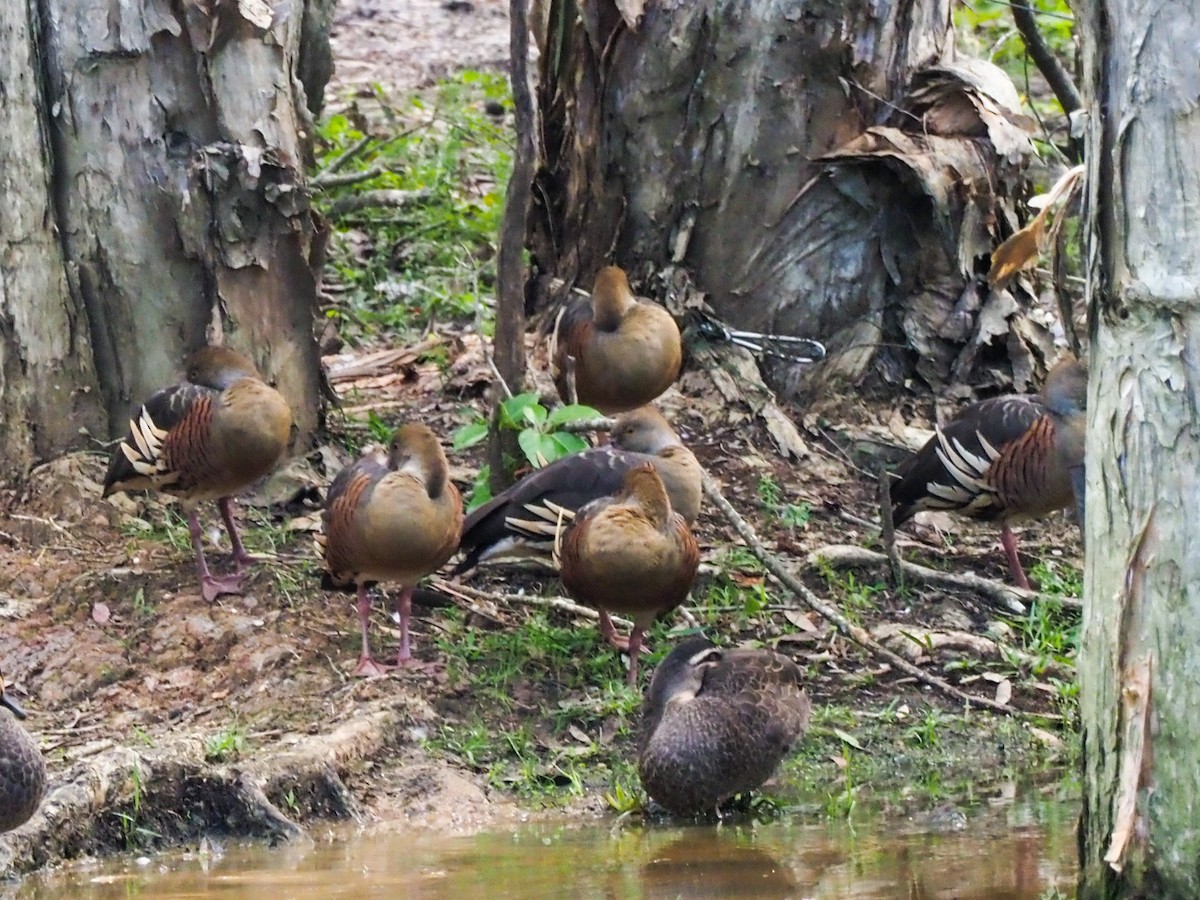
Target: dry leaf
<point x="1018" y="252"/>
<point x="745" y="580"/>
<point x="1004" y="691"/>
<point x="579" y="734"/>
<point x="803" y="621"/>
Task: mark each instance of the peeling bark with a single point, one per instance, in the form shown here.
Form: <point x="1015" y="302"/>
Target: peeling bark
<point x="1139" y="675"/>
<point x="823" y="170"/>
<point x="165" y="144"/>
<point x="46" y="372"/>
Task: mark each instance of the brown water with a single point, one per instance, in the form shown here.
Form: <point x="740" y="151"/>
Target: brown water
<point x="1005" y="853"/>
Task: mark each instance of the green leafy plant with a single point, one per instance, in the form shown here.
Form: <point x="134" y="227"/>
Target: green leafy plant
<point x="538" y="429"/>
<point x="225" y="745"/>
<point x="623" y="799"/>
<point x="987" y="28"/>
<point x="133" y="833"/>
<point x="790" y="515"/>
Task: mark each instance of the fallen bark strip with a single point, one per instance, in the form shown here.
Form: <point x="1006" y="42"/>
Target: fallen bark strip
<point x="1013" y="598"/>
<point x="831" y="613"/>
<point x="174" y="793"/>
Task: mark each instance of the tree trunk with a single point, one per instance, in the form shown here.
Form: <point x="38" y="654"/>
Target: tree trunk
<point x="819" y="169"/>
<point x="1139" y="669"/>
<point x="508" y="347"/>
<point x="46" y="374"/>
<point x="160" y="172"/>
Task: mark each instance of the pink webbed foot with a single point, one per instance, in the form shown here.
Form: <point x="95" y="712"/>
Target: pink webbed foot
<point x="368" y="668"/>
<point x="212" y="586"/>
<point x="240" y="557"/>
<point x="608" y="632"/>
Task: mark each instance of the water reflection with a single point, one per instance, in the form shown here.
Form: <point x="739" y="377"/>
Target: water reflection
<point x="1011" y="853"/>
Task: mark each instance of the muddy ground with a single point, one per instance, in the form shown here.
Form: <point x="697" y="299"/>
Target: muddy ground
<point x="163" y="717"/>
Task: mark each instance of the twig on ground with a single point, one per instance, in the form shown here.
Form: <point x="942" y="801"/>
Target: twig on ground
<point x="459" y="592"/>
<point x="562" y="603"/>
<point x="856" y="520"/>
<point x="373" y="199"/>
<point x="1009" y="596"/>
<point x="831" y="613"/>
<point x="351" y="152"/>
<point x="331" y="180"/>
<point x="888" y="528"/>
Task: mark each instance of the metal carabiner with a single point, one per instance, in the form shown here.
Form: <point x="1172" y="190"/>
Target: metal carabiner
<point x="780" y="346"/>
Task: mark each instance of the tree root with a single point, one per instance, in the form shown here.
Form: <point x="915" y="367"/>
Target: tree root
<point x="125" y="797"/>
<point x="1011" y="597"/>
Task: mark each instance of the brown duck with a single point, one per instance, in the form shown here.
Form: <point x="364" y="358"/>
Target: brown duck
<point x="22" y="769"/>
<point x="630" y="554"/>
<point x="1004" y="460"/>
<point x="206" y="438"/>
<point x="621" y="351"/>
<point x="716" y="722"/>
<point x="524" y="521"/>
<point x="391" y="519"/>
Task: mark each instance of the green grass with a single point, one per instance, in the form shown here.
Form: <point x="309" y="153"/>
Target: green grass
<point x="856" y="762"/>
<point x="407" y="267"/>
<point x="226" y="745"/>
<point x="792" y="516"/>
<point x="581" y="739"/>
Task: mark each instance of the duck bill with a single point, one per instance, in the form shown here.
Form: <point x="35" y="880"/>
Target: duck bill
<point x="12" y="705"/>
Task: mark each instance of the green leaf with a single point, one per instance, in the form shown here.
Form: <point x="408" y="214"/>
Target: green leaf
<point x="847" y="738"/>
<point x="575" y="412"/>
<point x="568" y="443"/>
<point x="469" y="435"/>
<point x="512" y="410"/>
<point x="481" y="491"/>
<point x="535" y="415"/>
<point x="539" y="449"/>
<point x="378" y="428"/>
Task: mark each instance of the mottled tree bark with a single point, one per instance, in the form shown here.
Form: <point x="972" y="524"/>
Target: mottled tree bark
<point x="47" y="381"/>
<point x="161" y="162"/>
<point x="1139" y="669"/>
<point x="819" y="169"/>
<point x="508" y="347"/>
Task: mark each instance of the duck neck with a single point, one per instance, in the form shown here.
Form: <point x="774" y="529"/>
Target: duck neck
<point x="426" y="464"/>
<point x="652" y="497"/>
<point x="611" y="299"/>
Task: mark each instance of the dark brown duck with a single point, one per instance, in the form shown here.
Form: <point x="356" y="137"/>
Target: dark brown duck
<point x="716" y="723"/>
